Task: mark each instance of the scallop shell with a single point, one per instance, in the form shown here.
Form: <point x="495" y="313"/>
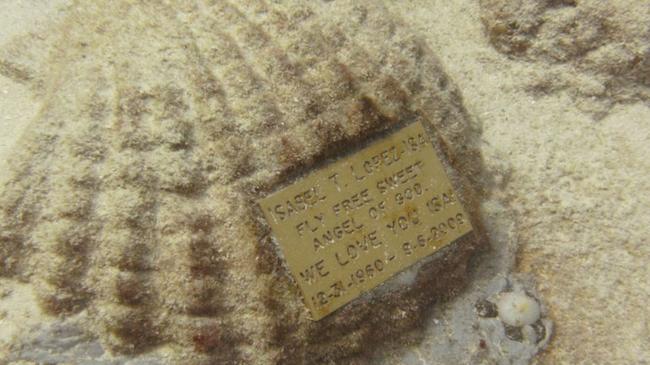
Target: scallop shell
<point x="132" y="194"/>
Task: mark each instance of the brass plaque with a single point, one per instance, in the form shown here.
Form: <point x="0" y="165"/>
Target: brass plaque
<point x="355" y="223"/>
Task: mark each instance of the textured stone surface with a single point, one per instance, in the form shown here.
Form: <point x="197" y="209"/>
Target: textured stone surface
<point x="131" y="199"/>
<point x="607" y="42"/>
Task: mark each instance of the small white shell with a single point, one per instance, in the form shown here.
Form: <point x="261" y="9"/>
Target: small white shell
<point x="518" y="309"/>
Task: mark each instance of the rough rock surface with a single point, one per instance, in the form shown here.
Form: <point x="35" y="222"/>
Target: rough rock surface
<point x="130" y="201"/>
<point x="607" y="42"/>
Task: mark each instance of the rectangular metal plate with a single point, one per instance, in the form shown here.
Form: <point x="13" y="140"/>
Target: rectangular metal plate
<point x="351" y="225"/>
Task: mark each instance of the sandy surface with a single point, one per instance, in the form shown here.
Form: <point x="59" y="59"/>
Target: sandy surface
<point x="576" y="187"/>
<point x="17" y="107"/>
<point x="18" y="309"/>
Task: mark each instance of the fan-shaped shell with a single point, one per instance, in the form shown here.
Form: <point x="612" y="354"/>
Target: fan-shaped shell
<point x="132" y="194"/>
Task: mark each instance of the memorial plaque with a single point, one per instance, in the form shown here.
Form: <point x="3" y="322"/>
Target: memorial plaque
<point x="353" y="224"/>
